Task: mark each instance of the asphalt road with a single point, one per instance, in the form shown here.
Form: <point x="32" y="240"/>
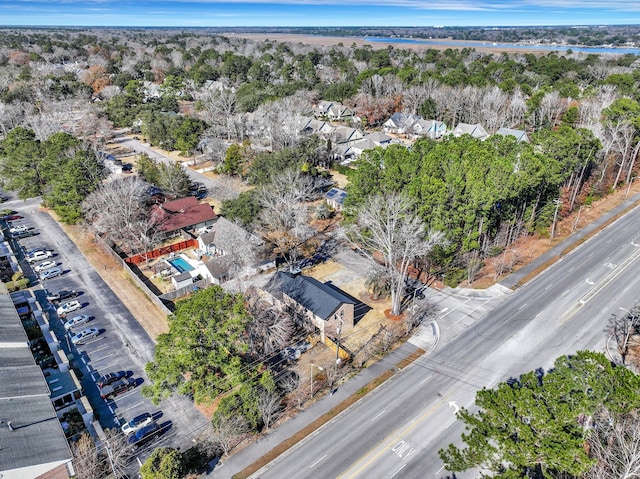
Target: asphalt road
<point x="397" y="430"/>
<point x="219" y="188"/>
<point x="121" y="345"/>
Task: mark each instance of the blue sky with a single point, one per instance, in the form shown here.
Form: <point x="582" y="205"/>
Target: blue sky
<point x="205" y="13"/>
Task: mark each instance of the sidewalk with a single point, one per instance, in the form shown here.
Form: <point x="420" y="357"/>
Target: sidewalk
<point x="247" y="456"/>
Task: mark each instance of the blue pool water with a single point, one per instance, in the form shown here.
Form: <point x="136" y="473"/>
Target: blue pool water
<point x="180" y="264"/>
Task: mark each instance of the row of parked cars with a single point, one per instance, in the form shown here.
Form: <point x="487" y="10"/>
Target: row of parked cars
<point x="142" y="428"/>
<point x="45" y="267"/>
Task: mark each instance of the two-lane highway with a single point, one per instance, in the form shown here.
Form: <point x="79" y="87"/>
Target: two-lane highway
<point x="397" y="430"/>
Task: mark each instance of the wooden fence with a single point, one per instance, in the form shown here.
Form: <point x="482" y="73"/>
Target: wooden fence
<point x="134" y="277"/>
<point x="165" y="250"/>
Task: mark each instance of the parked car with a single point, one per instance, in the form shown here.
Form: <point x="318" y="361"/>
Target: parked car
<point x="38" y="255"/>
<point x="22" y="234"/>
<point x="120" y="386"/>
<point x="61" y="295"/>
<point x="84" y="336"/>
<point x="110" y="378"/>
<point x="76" y="321"/>
<point x="68" y="307"/>
<point x="45" y="265"/>
<point x="137" y="422"/>
<point x="50" y="273"/>
<point x="12" y="217"/>
<point x="144" y="435"/>
<point x="17" y="229"/>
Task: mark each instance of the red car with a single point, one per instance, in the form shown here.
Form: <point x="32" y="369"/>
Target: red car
<point x="12" y="217"/>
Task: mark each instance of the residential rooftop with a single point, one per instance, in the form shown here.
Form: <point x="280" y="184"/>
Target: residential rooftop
<point x="319" y="298"/>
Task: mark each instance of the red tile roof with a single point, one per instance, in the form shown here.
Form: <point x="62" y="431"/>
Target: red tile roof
<point x="183" y="213"/>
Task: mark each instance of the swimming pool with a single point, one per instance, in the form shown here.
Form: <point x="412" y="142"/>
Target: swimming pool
<point x="180" y="264"/>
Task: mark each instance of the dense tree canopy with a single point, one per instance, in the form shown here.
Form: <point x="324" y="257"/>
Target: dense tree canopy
<point x="536" y="426"/>
<point x="203" y="352"/>
<point x="61" y="169"/>
<point x="481" y="193"/>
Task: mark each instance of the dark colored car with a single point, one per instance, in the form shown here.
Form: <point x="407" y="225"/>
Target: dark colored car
<point x="144" y="435"/>
<point x="12" y="217"/>
<point x="110" y="378"/>
<point x="119" y="387"/>
<point x="61" y="295"/>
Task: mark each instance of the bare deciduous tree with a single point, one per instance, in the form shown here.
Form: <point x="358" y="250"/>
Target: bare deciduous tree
<point x="621" y="328"/>
<point x="270" y="329"/>
<point x="614" y="443"/>
<point x="117" y="450"/>
<point x="285" y="213"/>
<point x="116" y="206"/>
<point x="269" y="407"/>
<point x="387" y="225"/>
<point x="87" y="462"/>
<point x="301" y="392"/>
<point x="227" y="432"/>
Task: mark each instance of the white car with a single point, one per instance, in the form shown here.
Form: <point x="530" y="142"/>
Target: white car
<point x="76" y="321"/>
<point x="38" y="255"/>
<point x="68" y="307"/>
<point x="18" y="229"/>
<point x="84" y="336"/>
<point x="137" y="422"/>
<point x="45" y="265"/>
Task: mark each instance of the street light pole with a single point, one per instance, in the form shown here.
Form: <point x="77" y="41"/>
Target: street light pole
<point x="311" y="365"/>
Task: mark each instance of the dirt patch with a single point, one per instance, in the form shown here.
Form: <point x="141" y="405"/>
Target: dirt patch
<point x="150" y="317"/>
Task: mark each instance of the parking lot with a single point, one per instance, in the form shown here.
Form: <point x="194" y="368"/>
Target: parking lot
<point x="120" y="345"/>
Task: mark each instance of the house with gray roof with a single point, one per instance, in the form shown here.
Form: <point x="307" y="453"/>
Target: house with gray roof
<point x="327" y="307"/>
<point x="228" y="246"/>
<point x="520" y="135"/>
<point x="400" y="123"/>
<point x="311" y="126"/>
<point x="427" y="128"/>
<point x="344" y="135"/>
<point x="476" y="131"/>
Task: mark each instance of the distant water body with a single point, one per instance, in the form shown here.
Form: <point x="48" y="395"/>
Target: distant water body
<point x="514" y="46"/>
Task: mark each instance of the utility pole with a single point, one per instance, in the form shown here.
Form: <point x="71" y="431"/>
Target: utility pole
<point x="339" y="318"/>
<point x="555" y="218"/>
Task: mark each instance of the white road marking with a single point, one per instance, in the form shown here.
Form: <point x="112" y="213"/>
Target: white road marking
<point x="95" y="360"/>
<point x="425" y="380"/>
<point x="394" y="474"/>
<point x="522" y="307"/>
<point x="132" y="407"/>
<point x="316" y="463"/>
<point x="589" y="282"/>
<point x="550" y="284"/>
<point x="438" y="471"/>
<point x="378" y="415"/>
